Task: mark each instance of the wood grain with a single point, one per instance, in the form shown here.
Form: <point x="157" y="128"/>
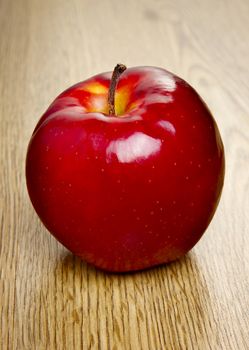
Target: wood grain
<point x="48" y="298"/>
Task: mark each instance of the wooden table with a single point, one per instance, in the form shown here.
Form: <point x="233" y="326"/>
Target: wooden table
<point x="49" y="299"/>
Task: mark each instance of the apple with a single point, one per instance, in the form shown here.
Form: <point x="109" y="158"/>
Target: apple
<point x="126" y="169"/>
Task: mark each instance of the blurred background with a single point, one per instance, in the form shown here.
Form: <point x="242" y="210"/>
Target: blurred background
<point x="49" y="300"/>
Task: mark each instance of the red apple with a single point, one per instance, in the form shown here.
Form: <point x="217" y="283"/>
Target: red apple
<point x="129" y="184"/>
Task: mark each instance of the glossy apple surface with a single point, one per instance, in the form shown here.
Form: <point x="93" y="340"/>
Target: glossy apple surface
<point x="131" y="191"/>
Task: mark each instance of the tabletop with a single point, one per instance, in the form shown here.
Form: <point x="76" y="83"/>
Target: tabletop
<point x="50" y="299"/>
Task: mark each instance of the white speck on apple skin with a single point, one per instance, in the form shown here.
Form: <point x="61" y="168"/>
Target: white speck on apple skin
<point x="174" y="163"/>
<point x="146" y="226"/>
<point x="62" y="132"/>
<point x="60" y="158"/>
<point x="134" y="210"/>
<point x="102" y="170"/>
<point x="76" y="153"/>
<point x="46" y="167"/>
<point x="174" y="202"/>
<point x="138" y="218"/>
<point x="47" y="148"/>
<point x="199" y="165"/>
<point x="149" y="181"/>
<point x="187" y="178"/>
<point x="152" y="213"/>
<point x="70" y="185"/>
<point x="153" y="167"/>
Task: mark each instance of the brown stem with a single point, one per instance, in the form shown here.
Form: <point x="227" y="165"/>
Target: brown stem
<point x="118" y="70"/>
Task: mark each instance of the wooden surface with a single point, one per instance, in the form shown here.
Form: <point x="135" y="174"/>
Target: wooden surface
<point x="50" y="299"/>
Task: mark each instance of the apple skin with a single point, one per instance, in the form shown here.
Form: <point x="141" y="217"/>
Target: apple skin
<point x="131" y="191"/>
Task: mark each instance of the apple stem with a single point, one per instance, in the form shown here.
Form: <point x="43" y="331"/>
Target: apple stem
<point x="118" y="70"/>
